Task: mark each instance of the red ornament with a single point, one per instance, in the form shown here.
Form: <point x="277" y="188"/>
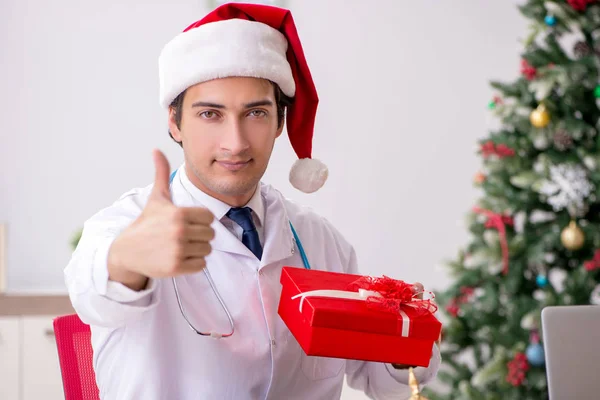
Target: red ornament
<point x="517" y="368"/>
<point x="489" y="148"/>
<point x="594" y="263"/>
<point x="453" y="308"/>
<point x="580" y="5"/>
<point x="479" y="178"/>
<point x="503" y="150"/>
<point x="528" y="70"/>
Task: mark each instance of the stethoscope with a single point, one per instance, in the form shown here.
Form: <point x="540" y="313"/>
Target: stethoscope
<point x="217" y="335"/>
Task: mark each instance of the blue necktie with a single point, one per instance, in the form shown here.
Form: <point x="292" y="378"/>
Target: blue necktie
<point x="243" y="217"/>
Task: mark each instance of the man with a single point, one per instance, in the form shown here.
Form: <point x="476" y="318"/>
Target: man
<point x="141" y="264"/>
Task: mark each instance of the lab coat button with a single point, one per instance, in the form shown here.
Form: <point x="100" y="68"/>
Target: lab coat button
<point x="273" y="342"/>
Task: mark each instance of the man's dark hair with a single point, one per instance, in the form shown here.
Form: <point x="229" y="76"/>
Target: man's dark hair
<point x="281" y="102"/>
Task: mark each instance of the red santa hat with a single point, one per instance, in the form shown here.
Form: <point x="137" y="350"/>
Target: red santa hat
<point x="250" y="40"/>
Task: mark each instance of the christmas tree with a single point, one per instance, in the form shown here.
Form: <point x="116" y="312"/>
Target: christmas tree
<point x="535" y="231"/>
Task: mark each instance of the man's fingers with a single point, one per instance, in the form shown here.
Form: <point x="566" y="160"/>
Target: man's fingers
<point x="198" y="233"/>
<point x="193" y="250"/>
<point x="198" y="215"/>
<point x="194" y="264"/>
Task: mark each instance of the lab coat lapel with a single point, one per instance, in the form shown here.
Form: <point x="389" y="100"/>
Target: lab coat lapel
<point x="279" y="240"/>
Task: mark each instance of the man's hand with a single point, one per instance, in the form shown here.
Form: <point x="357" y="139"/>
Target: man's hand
<point x="417" y="289"/>
<point x="164" y="240"/>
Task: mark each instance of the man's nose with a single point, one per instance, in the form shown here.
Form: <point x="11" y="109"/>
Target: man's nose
<point x="234" y="139"/>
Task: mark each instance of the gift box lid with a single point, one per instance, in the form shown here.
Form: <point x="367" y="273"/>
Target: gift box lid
<point x="350" y="314"/>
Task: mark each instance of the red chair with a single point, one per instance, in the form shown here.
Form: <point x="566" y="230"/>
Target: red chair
<point x="73" y="339"/>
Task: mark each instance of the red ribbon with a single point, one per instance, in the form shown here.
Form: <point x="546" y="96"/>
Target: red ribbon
<point x="497" y="221"/>
<point x="395" y="295"/>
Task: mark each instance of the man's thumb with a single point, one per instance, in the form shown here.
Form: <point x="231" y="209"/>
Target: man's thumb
<point x="161" y="178"/>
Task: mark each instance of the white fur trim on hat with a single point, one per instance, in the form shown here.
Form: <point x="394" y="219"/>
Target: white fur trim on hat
<point x="234" y="47"/>
<point x="308" y="175"/>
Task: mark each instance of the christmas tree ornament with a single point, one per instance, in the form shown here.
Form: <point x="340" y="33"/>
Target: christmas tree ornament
<point x="535" y="351"/>
<point x="479" y="178"/>
<point x="490" y="148"/>
<point x="594" y="263"/>
<point x="528" y="71"/>
<point x="541" y="280"/>
<point x="550" y="20"/>
<point x="494" y="102"/>
<point x="517" y="368"/>
<point x="572" y="237"/>
<point x="579" y="5"/>
<point x="568" y="188"/>
<point x="414" y="386"/>
<point x="562" y="140"/>
<point x="581" y="49"/>
<point x="540" y="117"/>
<point x="597" y="92"/>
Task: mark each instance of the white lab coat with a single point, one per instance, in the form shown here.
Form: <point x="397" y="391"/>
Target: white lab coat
<point x="143" y="348"/>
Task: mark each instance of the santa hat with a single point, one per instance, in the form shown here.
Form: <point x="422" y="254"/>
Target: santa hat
<point x="250" y="40"/>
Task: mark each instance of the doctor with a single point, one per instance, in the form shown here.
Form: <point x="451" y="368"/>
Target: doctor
<point x="142" y="263"/>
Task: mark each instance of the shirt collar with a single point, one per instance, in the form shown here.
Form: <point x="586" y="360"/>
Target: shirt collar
<point x="217" y="207"/>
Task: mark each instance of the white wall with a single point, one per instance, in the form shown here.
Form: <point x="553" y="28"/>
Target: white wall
<point x="403" y="88"/>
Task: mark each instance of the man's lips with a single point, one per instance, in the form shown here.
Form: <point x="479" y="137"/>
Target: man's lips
<point x="233" y="165"/>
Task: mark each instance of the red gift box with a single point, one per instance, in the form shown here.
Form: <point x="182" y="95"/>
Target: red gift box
<point x="352" y="328"/>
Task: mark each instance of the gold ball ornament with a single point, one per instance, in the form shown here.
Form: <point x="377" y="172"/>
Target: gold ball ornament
<point x="540" y="117"/>
<point x="572" y="237"/>
<point x="414" y="386"/>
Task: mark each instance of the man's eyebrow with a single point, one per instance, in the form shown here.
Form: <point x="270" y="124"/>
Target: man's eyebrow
<point x="258" y="103"/>
<point x="207" y="104"/>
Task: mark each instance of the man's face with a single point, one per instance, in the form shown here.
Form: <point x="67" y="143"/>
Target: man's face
<point x="228" y="129"/>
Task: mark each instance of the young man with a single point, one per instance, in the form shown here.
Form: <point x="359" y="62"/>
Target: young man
<point x="139" y="274"/>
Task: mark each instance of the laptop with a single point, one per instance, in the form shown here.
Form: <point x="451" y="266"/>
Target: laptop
<point x="571" y="336"/>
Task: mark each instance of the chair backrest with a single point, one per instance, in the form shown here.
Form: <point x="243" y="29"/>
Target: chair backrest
<point x="73" y="340"/>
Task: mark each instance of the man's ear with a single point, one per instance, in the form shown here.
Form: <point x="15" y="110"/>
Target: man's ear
<point x="279" y="130"/>
<point x="175" y="132"/>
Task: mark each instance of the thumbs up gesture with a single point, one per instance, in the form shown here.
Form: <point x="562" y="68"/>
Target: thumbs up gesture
<point x="164" y="241"/>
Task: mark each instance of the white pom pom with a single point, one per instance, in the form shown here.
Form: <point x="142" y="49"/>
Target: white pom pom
<point x="308" y="175"/>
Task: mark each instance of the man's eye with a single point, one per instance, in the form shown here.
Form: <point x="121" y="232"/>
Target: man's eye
<point x="208" y="114"/>
<point x="257" y="113"/>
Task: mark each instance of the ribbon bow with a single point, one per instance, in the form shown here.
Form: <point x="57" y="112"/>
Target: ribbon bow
<point x="393" y="295"/>
<point x="498" y="222"/>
